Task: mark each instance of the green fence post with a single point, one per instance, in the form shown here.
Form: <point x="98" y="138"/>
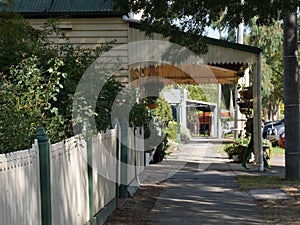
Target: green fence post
<point x="124" y="158"/>
<point x="45" y="180"/>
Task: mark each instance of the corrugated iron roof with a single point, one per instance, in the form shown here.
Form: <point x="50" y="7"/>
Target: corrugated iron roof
<point x="46" y="8"/>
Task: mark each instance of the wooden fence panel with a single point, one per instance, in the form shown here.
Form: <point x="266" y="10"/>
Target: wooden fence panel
<point x="140" y="154"/>
<point x="69" y="186"/>
<point x="104" y="169"/>
<point x="131" y="173"/>
<point x="20" y="179"/>
<point x="20" y="188"/>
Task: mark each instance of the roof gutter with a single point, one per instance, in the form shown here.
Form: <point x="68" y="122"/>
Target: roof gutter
<point x="130" y="20"/>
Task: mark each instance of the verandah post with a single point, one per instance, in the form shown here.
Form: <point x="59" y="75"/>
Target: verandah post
<point x="45" y="180"/>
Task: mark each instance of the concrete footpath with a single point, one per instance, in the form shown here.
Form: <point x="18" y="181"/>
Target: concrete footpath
<point x="201" y="188"/>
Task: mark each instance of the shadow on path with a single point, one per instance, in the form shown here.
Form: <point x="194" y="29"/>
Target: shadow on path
<point x="204" y="190"/>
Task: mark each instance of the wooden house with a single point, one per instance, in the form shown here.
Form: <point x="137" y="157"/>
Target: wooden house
<point x="95" y="22"/>
<point x="92" y="23"/>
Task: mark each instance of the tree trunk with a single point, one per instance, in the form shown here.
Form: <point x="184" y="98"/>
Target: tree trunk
<point x="291" y="97"/>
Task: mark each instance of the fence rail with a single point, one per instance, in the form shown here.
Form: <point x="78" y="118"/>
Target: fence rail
<point x="20" y="193"/>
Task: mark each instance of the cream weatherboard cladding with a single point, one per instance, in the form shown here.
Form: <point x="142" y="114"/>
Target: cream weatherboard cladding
<point x="92" y="33"/>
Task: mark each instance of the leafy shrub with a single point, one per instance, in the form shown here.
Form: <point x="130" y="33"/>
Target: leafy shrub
<point x="238" y="147"/>
<point x="171" y="131"/>
<point x="38" y="82"/>
<point x="26" y="103"/>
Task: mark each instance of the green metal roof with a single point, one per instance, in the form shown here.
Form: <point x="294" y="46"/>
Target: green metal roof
<point x="74" y="8"/>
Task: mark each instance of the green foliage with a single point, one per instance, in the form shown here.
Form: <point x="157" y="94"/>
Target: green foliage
<point x="141" y="115"/>
<point x="195" y="92"/>
<point x="26" y="103"/>
<point x="104" y="104"/>
<point x="34" y="90"/>
<point x="270" y="39"/>
<point x="163" y="111"/>
<point x="237" y="147"/>
<point x="171" y="131"/>
<point x="17" y="41"/>
<point x="138" y="115"/>
<point x="185" y="21"/>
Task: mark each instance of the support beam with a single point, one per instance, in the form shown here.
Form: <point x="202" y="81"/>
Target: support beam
<point x="257" y="120"/>
<point x="219" y="127"/>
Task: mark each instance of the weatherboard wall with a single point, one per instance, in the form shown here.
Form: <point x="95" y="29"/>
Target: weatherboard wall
<point x="92" y="33"/>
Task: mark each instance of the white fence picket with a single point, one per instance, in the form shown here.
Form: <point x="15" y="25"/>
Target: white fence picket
<point x="20" y="179"/>
<point x="19" y="188"/>
<point x="69" y="189"/>
<point x="139" y="135"/>
<point x="104" y="168"/>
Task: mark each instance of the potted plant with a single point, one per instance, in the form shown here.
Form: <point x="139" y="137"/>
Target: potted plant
<point x="236" y="149"/>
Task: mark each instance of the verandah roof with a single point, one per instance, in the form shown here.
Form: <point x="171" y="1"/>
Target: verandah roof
<point x="224" y="63"/>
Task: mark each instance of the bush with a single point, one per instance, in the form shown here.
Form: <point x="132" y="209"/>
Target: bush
<point x="171" y="131"/>
<point x="38" y="83"/>
<point x="26" y="103"/>
<point x="238" y="147"/>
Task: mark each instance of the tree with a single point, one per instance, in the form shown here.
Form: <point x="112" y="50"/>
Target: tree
<point x="270" y="39"/>
<point x="185" y="21"/>
<point x="291" y="96"/>
<point x="195" y="92"/>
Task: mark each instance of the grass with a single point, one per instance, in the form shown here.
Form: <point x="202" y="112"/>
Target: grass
<point x="278" y="150"/>
<point x="247" y="183"/>
<point x="280" y="211"/>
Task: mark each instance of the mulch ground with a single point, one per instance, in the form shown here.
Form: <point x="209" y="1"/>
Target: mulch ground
<point x="285" y="211"/>
<point x="135" y="210"/>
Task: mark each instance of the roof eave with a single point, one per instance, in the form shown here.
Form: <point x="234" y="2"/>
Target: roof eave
<point x="232" y="45"/>
<point x="218" y="42"/>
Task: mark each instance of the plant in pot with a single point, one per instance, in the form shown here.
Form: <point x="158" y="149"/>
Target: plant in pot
<point x="236" y="149"/>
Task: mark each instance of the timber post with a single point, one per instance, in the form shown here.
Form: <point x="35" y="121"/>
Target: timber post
<point x="45" y="179"/>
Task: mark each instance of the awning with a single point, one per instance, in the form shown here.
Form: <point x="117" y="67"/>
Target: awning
<point x="187" y="74"/>
<point x="224" y="63"/>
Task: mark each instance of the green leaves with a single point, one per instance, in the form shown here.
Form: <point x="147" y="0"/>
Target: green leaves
<point x="173" y="18"/>
<point x="270" y="39"/>
<point x="38" y="82"/>
<point x="26" y="103"/>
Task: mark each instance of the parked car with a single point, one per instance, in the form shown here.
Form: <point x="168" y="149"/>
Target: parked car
<point x="273" y="130"/>
<point x="271" y="125"/>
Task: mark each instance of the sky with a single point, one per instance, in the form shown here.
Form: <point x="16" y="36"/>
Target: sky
<point x="213" y="33"/>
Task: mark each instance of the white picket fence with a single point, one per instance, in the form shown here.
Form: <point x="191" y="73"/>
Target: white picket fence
<point x="20" y="179"/>
<point x="20" y="187"/>
<point x="69" y="185"/>
<point x="136" y="154"/>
